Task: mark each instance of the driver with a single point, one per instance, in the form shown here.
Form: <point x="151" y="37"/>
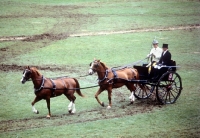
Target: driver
<point x="155" y="53"/>
<point x="165" y="60"/>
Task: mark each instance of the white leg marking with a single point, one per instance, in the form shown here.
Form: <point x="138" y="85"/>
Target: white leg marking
<point x="132" y="97"/>
<point x="73" y="108"/>
<point x="70" y="106"/>
<point x="34" y="110"/>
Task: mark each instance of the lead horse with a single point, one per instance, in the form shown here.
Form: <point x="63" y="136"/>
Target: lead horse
<point x="110" y="78"/>
<point x="46" y="88"/>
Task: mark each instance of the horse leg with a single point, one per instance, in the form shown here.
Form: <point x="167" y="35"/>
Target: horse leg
<point x="132" y="88"/>
<point x="96" y="96"/>
<point x="73" y="103"/>
<point x="109" y="98"/>
<point x="33" y="103"/>
<point x="48" y="106"/>
<point x="71" y="107"/>
<point x="72" y="98"/>
<point x="132" y="97"/>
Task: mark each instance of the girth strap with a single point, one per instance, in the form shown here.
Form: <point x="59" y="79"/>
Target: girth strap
<point x="53" y="89"/>
<point x="114" y="72"/>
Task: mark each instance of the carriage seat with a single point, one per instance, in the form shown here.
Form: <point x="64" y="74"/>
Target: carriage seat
<point x="173" y="63"/>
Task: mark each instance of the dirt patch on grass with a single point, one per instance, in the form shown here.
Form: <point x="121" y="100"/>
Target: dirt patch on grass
<point x="4" y="67"/>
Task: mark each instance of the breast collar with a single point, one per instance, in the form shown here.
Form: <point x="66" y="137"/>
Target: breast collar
<point x="105" y="77"/>
<point x="41" y="86"/>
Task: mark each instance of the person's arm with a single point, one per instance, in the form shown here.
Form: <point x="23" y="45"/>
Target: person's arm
<point x="168" y="58"/>
<point x="150" y="53"/>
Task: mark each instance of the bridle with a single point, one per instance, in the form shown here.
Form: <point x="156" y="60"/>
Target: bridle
<point x="26" y="73"/>
<point x="96" y="65"/>
<point x="26" y="77"/>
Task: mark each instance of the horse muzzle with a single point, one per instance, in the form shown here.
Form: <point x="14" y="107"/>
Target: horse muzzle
<point x="90" y="72"/>
<point x="23" y="81"/>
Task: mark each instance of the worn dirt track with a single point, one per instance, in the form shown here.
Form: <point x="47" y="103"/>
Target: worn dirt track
<point x="61" y="36"/>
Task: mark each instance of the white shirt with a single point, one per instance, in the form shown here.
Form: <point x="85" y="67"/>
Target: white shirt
<point x="157" y="52"/>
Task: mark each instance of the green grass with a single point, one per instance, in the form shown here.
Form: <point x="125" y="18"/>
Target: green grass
<point x="75" y="53"/>
<point x="53" y="17"/>
<point x="106" y="48"/>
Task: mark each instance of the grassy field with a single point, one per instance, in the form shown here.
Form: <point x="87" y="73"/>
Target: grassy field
<point x="47" y="26"/>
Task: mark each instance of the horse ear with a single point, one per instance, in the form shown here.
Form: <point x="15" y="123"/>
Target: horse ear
<point x="94" y="58"/>
<point x="28" y="67"/>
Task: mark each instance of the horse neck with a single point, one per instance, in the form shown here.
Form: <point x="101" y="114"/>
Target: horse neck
<point x="37" y="79"/>
<point x="102" y="71"/>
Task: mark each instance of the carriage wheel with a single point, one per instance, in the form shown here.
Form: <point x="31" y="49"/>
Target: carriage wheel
<point x="169" y="87"/>
<point x="144" y="91"/>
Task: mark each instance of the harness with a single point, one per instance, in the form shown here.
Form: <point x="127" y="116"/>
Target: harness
<point x="115" y="77"/>
<point x="53" y="89"/>
<point x="42" y="87"/>
<point x="106" y="76"/>
<point x="114" y="72"/>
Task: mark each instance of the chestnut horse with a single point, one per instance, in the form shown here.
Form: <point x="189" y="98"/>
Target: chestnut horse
<point x="46" y="88"/>
<point x="109" y="79"/>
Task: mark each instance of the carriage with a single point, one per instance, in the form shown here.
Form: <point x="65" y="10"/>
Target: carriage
<point x="167" y="86"/>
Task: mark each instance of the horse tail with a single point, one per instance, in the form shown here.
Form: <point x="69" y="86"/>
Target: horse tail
<point x="78" y="88"/>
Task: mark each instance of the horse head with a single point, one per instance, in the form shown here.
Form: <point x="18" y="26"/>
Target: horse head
<point x="28" y="73"/>
<point x="96" y="66"/>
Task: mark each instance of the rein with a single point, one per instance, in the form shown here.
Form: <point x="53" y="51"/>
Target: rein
<point x="130" y="64"/>
<point x="61" y="77"/>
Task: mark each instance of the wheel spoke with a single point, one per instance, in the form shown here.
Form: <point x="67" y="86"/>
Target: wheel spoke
<point x="143" y="91"/>
<point x="168" y="91"/>
<point x="172" y="94"/>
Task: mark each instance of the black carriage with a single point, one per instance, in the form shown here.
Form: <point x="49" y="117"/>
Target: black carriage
<point x="168" y="85"/>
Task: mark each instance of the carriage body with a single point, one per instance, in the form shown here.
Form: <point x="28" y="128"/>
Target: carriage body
<point x="167" y="86"/>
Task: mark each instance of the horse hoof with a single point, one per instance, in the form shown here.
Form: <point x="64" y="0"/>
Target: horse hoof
<point x="48" y="116"/>
<point x="108" y="107"/>
<point x="74" y="111"/>
<point x="70" y="111"/>
<point x="130" y="103"/>
<point x="102" y="104"/>
<point x="37" y="112"/>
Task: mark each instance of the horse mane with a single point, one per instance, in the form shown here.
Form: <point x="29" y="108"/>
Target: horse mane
<point x="104" y="65"/>
<point x="34" y="69"/>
